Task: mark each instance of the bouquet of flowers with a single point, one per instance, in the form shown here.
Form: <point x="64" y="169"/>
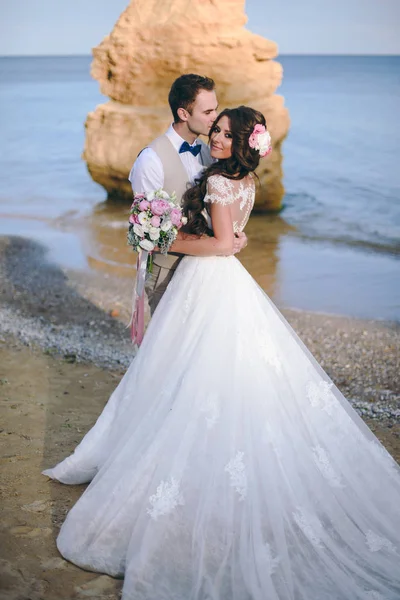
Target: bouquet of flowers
<point x="154" y="221"/>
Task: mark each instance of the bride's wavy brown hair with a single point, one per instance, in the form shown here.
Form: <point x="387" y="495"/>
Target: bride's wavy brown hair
<point x="243" y="161"/>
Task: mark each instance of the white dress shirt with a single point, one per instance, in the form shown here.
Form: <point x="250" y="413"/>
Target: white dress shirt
<point x="147" y="173"/>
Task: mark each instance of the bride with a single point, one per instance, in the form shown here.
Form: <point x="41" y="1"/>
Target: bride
<point x="226" y="465"/>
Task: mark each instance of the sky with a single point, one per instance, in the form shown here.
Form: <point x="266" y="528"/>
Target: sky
<point x="64" y="27"/>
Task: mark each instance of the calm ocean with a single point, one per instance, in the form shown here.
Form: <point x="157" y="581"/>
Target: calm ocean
<point x="335" y="245"/>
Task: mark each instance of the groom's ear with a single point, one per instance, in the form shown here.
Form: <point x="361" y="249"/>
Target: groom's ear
<point x="182" y="114"/>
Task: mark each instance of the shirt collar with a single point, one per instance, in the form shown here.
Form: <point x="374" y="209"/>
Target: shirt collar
<point x="176" y="139"/>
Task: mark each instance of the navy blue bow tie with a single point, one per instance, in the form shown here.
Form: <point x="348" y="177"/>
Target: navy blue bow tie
<point x="186" y="147"/>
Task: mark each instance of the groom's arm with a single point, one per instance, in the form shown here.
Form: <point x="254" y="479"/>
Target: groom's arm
<point x="147" y="173"/>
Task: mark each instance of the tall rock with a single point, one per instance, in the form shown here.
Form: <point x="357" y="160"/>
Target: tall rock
<point x="152" y="44"/>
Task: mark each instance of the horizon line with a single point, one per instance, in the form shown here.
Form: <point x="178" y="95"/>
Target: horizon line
<point x="355" y="54"/>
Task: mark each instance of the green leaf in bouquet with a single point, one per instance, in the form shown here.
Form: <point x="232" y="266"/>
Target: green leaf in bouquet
<point x="149" y="267"/>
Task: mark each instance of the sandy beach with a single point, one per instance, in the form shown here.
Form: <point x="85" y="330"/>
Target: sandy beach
<point x="63" y="348"/>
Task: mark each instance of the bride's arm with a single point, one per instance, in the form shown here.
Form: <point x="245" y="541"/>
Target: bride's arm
<point x="221" y="244"/>
<point x="221" y="199"/>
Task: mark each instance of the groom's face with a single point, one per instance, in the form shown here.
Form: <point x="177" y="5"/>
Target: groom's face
<point x="203" y="113"/>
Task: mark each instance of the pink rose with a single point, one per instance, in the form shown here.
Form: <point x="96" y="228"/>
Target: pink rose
<point x="176" y="217"/>
<point x="253" y="139"/>
<point x="159" y="207"/>
<point x="133" y="219"/>
<point x="155" y="221"/>
<point x="259" y="128"/>
<point x="144" y="205"/>
<point x="140" y="196"/>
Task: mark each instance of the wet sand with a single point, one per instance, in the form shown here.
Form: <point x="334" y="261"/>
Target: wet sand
<point x="63" y="349"/>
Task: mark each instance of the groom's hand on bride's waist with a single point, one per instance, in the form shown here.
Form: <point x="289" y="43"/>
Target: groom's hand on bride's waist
<point x="239" y="242"/>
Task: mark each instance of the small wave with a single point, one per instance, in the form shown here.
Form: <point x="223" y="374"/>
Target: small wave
<point x="303" y="199"/>
<point x="372" y="246"/>
<point x="344" y="220"/>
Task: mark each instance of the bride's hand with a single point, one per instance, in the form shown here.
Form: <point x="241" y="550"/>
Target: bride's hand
<point x="239" y="242"/>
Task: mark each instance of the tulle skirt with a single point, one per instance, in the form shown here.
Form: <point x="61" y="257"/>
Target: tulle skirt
<point x="227" y="466"/>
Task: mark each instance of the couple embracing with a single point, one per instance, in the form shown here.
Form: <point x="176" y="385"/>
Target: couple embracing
<point x="226" y="465"/>
<point x="175" y="160"/>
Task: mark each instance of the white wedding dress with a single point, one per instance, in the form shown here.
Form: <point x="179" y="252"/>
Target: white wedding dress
<point x="226" y="465"/>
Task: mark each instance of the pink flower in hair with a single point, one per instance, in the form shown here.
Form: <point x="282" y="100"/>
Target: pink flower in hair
<point x="253" y="139"/>
<point x="260" y="140"/>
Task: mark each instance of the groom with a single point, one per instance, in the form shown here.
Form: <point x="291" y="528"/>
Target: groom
<point x="173" y="161"/>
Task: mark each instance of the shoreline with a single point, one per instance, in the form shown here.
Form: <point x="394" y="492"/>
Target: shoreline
<point x="294" y="269"/>
<point x="82" y="316"/>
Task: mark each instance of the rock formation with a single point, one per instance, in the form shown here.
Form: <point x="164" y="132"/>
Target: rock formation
<point x="152" y="44"/>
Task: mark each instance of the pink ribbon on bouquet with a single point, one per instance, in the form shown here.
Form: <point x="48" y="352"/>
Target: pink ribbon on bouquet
<point x="137" y="319"/>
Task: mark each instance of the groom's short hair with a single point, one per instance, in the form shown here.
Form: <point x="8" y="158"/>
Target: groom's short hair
<point x="184" y="90"/>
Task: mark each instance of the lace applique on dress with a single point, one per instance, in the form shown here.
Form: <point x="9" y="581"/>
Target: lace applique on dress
<point x="211" y="409"/>
<point x="269" y="563"/>
<point x="376" y="543"/>
<point x="246" y="194"/>
<point x="322" y="461"/>
<point x="373" y="595"/>
<point x="275" y="439"/>
<point x="309" y="525"/>
<point x="187" y="305"/>
<point x="238" y="193"/>
<point x="320" y="395"/>
<point x="237" y="472"/>
<point x="220" y="190"/>
<point x="166" y="498"/>
<point x="270" y="356"/>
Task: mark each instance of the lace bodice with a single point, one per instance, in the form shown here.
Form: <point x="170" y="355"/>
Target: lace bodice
<point x="239" y="194"/>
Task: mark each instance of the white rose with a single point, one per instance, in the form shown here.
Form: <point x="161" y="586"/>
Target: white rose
<point x="143" y="218"/>
<point x="146" y="226"/>
<point x="154" y="233"/>
<point x="163" y="195"/>
<point x="184" y="220"/>
<point x="138" y="229"/>
<point x="264" y="142"/>
<point x="166" y="225"/>
<point x="147" y="245"/>
<point x="150" y="196"/>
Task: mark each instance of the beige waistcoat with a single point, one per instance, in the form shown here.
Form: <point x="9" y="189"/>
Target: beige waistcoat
<point x="175" y="176"/>
<point x="175" y="180"/>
